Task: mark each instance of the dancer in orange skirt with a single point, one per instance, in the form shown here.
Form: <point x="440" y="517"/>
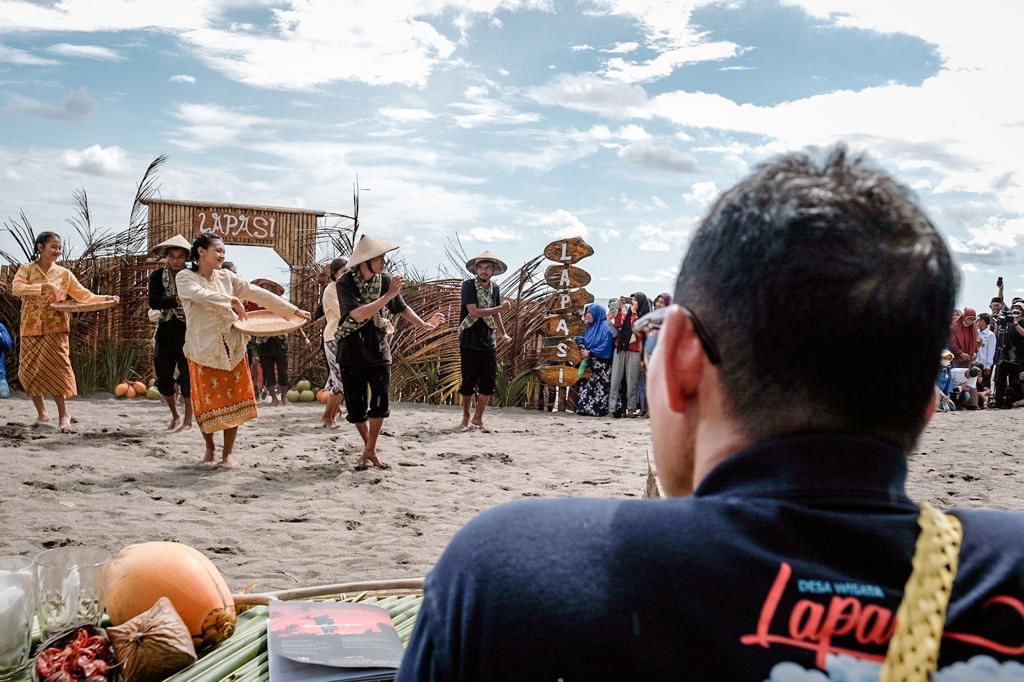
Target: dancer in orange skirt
<point x="44" y="367"/>
<point x="222" y="392"/>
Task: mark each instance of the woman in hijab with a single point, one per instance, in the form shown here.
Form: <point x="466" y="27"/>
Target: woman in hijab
<point x="963" y="338"/>
<point x="596" y="344"/>
<point x="626" y="362"/>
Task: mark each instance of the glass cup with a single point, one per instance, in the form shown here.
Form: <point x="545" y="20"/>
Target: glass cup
<point x="68" y="588"/>
<point x="17" y="604"/>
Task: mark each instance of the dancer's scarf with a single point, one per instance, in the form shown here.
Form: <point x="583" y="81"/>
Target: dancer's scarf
<point x="484" y="299"/>
<point x="369" y="291"/>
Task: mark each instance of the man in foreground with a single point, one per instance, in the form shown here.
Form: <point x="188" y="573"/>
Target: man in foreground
<point x="789" y="543"/>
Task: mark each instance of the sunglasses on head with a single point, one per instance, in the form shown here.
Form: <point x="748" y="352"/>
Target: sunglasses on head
<point x="653" y="320"/>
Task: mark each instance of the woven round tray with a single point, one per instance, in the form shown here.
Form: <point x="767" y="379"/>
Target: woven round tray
<point x="267" y="323"/>
<point x="73" y="307"/>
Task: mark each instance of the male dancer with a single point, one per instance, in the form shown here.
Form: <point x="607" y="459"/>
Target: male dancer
<point x="480" y="315"/>
<point x="168" y="354"/>
<point x="364" y="355"/>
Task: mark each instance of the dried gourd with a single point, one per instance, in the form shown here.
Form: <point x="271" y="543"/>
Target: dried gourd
<point x="153" y="645"/>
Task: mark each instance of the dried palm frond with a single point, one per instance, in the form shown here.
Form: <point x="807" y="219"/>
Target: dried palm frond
<point x="651" y="490"/>
<point x="24" y="236"/>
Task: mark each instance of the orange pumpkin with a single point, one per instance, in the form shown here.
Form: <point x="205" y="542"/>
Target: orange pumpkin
<point x="121" y="389"/>
<point x="130" y="393"/>
<point x="140" y="574"/>
<point x="140" y="388"/>
<point x="324" y="396"/>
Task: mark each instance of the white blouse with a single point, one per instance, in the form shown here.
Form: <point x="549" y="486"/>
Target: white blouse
<point x="210" y="338"/>
<point x="332" y="310"/>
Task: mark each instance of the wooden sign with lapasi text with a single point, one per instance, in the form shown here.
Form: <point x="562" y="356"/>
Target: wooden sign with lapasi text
<point x="568" y="250"/>
<point x="566" y="300"/>
<point x="236" y="225"/>
<point x="566" y="277"/>
<point x="563" y="325"/>
<point x="560" y="375"/>
<point x="560" y="349"/>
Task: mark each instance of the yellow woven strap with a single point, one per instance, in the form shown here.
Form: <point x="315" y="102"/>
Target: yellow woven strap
<point x="913" y="653"/>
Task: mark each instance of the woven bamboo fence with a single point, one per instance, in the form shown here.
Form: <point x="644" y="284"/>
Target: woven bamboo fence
<point x="116" y="344"/>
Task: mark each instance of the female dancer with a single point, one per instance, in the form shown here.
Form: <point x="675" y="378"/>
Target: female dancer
<point x="45" y="362"/>
<point x="222" y="392"/>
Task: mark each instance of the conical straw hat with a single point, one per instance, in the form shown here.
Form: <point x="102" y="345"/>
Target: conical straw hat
<point x="368" y="248"/>
<point x="175" y="242"/>
<point x="499" y="265"/>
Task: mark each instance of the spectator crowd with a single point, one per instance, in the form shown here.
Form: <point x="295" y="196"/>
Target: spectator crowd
<point x="983" y="363"/>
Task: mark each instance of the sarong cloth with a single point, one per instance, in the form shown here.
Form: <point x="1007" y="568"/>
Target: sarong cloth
<point x="222" y="399"/>
<point x="45" y="366"/>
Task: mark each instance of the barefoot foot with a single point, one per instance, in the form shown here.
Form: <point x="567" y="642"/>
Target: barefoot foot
<point x="480" y="425"/>
<point x="228" y="462"/>
<point x="211" y="457"/>
<point x="65" y="425"/>
<point x="175" y="423"/>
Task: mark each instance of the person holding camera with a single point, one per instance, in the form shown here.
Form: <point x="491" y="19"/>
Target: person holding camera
<point x="1011" y="356"/>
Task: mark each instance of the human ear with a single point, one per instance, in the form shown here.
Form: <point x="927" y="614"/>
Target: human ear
<point x="682" y="358"/>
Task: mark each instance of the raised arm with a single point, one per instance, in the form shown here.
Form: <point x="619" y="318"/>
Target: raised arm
<point x="190" y="288"/>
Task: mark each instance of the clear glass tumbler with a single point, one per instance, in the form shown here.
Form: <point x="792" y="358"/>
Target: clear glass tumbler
<point x="68" y="588"/>
<point x="17" y="605"/>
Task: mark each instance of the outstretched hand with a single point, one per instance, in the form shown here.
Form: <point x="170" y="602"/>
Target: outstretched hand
<point x="304" y="314"/>
<point x="435" y="320"/>
<point x="239" y="309"/>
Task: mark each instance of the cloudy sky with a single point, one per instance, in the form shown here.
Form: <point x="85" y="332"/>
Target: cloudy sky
<point x="511" y="122"/>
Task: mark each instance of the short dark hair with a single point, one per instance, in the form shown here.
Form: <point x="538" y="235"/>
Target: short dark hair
<point x="828" y="241"/>
<point x="203" y="241"/>
<point x="986" y="318"/>
<point x="41" y="240"/>
<point x="996" y="299"/>
<point x="973" y="371"/>
<point x="336" y="265"/>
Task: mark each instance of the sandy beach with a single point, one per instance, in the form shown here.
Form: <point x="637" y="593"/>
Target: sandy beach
<point x="296" y="513"/>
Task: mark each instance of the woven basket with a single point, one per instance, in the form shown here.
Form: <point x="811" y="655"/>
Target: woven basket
<point x="267" y="323"/>
<point x="73" y="307"/>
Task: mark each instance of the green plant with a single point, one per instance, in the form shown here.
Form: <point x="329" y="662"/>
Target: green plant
<point x="117" y="361"/>
<point x="514" y="392"/>
<point x="84" y="364"/>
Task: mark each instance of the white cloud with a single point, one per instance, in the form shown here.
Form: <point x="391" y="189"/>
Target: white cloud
<point x="491" y="234"/>
<point x="622" y="48"/>
<point x="593" y="94"/>
<point x="562" y="223"/>
<point x="581" y="48"/>
<point x="490" y="111"/>
<point x="98" y="52"/>
<point x="12" y="55"/>
<point x="406" y="115"/>
<point x="658" y="157"/>
<point x="668" y="61"/>
<point x="76" y="106"/>
<point x="182" y="78"/>
<point x="970" y="267"/>
<point x="701" y="193"/>
<point x="211" y="125"/>
<point x="542" y="150"/>
<point x="97" y="160"/>
<point x="475" y="91"/>
<point x="738" y="68"/>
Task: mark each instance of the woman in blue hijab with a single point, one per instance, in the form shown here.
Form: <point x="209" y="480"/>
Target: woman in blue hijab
<point x="597" y="345"/>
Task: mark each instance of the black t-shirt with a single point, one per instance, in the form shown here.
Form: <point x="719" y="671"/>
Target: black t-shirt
<point x="169" y="333"/>
<point x="368" y="345"/>
<point x="479" y="336"/>
<point x="787" y="556"/>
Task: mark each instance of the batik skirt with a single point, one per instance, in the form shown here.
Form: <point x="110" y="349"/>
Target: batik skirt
<point x="44" y="367"/>
<point x="221" y="399"/>
<point x="333" y="368"/>
<point x="592" y="396"/>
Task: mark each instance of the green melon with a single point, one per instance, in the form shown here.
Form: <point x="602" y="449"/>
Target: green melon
<point x="303" y="386"/>
<point x="307" y="396"/>
<point x="153" y="394"/>
<point x="292" y="396"/>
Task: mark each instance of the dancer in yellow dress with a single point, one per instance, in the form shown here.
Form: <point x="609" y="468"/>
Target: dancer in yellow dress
<point x="45" y="362"/>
